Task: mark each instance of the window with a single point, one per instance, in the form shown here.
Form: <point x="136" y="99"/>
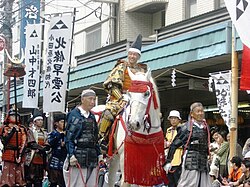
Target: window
<point x="93" y="38"/>
<point x="191" y="7"/>
<point x="219" y="4"/>
<point x="163" y="19"/>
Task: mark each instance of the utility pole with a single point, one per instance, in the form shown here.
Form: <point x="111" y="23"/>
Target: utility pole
<point x="6" y="32"/>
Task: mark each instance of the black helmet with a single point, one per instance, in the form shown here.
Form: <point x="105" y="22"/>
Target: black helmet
<point x="59" y="117"/>
<point x="12" y="112"/>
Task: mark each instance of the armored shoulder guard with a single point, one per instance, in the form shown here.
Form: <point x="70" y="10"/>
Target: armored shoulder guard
<point x="120" y="61"/>
<point x="143" y="66"/>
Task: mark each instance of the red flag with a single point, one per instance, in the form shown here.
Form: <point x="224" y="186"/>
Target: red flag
<point x="245" y="69"/>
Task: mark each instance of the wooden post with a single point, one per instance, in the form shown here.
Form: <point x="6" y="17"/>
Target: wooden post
<point x="234" y="98"/>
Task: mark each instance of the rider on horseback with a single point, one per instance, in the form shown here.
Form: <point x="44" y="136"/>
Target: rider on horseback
<point x="117" y="83"/>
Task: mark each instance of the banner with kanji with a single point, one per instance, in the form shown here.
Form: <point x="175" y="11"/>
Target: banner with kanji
<point x="57" y="64"/>
<point x="30" y="14"/>
<point x="222" y="85"/>
<point x="32" y="69"/>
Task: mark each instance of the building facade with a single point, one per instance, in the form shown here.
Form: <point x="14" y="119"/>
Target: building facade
<point x="192" y="36"/>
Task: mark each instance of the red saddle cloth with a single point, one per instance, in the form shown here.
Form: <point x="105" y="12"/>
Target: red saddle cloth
<point x="143" y="159"/>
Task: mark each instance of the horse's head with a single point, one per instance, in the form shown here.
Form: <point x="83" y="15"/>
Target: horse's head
<point x="143" y="108"/>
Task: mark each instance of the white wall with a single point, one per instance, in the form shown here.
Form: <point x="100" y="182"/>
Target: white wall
<point x="175" y="10"/>
<point x="204" y="6"/>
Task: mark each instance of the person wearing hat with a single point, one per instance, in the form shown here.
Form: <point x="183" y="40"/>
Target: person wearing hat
<point x="116" y="84"/>
<point x="36" y="156"/>
<point x="83" y="151"/>
<point x="194" y="136"/>
<point x="58" y="152"/>
<point x="30" y="123"/>
<point x="13" y="136"/>
<point x="173" y="176"/>
<point x="214" y="174"/>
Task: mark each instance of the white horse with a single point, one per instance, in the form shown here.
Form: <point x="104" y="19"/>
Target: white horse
<point x="138" y="144"/>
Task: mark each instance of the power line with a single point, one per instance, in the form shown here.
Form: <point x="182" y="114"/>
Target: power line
<point x="87" y="14"/>
<point x="85" y="4"/>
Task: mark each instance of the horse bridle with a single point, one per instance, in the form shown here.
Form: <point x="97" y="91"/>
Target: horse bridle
<point x="140" y="87"/>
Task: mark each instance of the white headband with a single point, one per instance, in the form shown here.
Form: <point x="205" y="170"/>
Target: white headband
<point x="38" y="117"/>
<point x="135" y="50"/>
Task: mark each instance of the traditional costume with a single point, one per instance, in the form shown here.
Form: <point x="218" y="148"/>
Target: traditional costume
<point x="36" y="157"/>
<point x="14" y="138"/>
<point x="195" y="138"/>
<point x="58" y="155"/>
<point x="82" y="147"/>
<point x="117" y="83"/>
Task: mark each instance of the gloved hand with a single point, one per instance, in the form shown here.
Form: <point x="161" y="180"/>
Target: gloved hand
<point x="73" y="161"/>
<point x="167" y="167"/>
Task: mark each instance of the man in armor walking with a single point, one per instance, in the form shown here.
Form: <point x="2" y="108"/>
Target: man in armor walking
<point x="82" y="143"/>
<point x="195" y="138"/>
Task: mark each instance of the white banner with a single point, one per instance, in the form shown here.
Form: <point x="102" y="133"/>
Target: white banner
<point x="57" y="63"/>
<point x="222" y="83"/>
<point x="239" y="12"/>
<point x="32" y="69"/>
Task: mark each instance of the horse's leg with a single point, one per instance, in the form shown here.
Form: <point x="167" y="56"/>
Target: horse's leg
<point x="113" y="168"/>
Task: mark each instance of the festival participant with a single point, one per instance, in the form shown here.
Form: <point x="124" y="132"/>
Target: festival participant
<point x="117" y="83"/>
<point x="174" y="175"/>
<point x="235" y="172"/>
<point x="222" y="153"/>
<point x="214" y="174"/>
<point x="194" y="136"/>
<point x="36" y="158"/>
<point x="244" y="181"/>
<point x="14" y="137"/>
<point x="238" y="149"/>
<point x="58" y="152"/>
<point x="82" y="142"/>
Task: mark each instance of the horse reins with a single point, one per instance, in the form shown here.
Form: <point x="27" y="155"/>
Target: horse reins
<point x="85" y="183"/>
<point x="126" y="133"/>
<point x="140" y="87"/>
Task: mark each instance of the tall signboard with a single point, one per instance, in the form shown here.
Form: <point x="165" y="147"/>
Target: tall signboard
<point x="57" y="63"/>
<point x="30" y="14"/>
<point x="32" y="61"/>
